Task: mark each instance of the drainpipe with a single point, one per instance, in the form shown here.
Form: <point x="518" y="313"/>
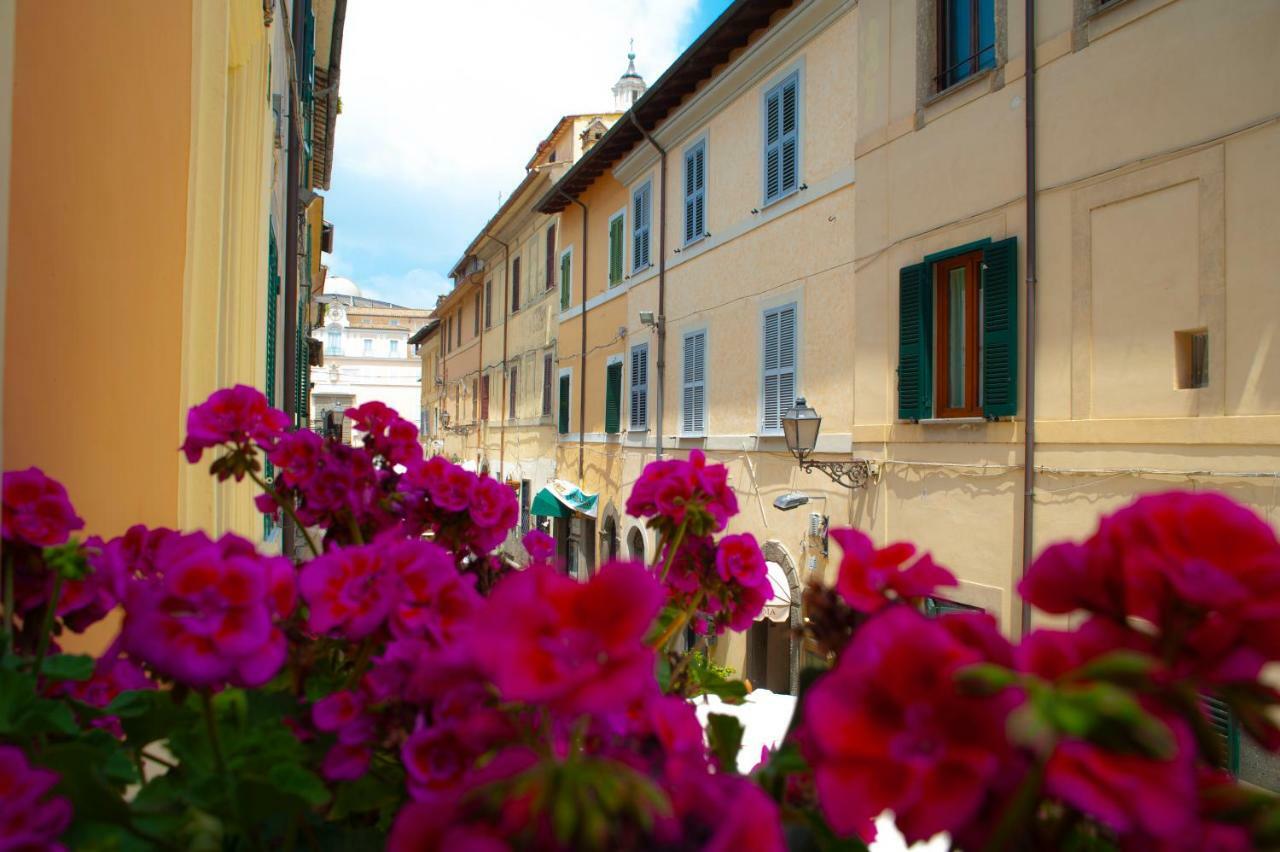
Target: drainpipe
<point x="582" y="355"/>
<point x="480" y="427"/>
<point x="1029" y="379"/>
<point x="293" y="180"/>
<point x="506" y="293"/>
<point x="662" y="284"/>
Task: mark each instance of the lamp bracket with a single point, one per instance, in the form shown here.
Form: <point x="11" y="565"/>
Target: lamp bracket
<point x="850" y="474"/>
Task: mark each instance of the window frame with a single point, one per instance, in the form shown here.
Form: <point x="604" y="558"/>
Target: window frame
<point x="778" y="85"/>
<point x="333" y="340"/>
<point x="551" y="237"/>
<point x="778" y="308"/>
<point x="564" y="399"/>
<point x="945" y="65"/>
<point x="621" y="217"/>
<point x="645" y="186"/>
<point x="475" y="322"/>
<point x="972" y="263"/>
<point x="513" y="376"/>
<point x="515" y="284"/>
<point x="484" y="398"/>
<point x="548" y="386"/>
<point x="393" y="348"/>
<point x="488" y="303"/>
<point x="566" y="279"/>
<point x="634" y="388"/>
<point x="685" y="385"/>
<point x="699" y="193"/>
<point x="618" y="361"/>
<point x="366" y="346"/>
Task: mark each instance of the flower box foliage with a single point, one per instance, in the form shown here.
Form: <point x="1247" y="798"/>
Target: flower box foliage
<point x="403" y="686"/>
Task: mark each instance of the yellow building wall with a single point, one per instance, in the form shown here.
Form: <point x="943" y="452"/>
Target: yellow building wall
<point x="97" y="236"/>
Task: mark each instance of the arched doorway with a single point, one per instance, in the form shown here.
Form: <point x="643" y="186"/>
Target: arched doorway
<point x="635" y="545"/>
<point x="609" y="539"/>
<point x="773" y="642"/>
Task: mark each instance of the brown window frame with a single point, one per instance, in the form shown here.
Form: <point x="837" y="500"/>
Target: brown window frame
<point x="484" y="397"/>
<point x="946" y="64"/>
<point x="971" y="262"/>
<point x="511" y="394"/>
<point x="551" y="257"/>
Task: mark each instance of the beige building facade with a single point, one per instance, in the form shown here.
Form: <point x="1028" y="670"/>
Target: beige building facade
<point x="845" y="219"/>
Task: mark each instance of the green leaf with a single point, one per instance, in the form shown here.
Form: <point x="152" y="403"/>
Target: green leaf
<point x="1125" y="668"/>
<point x="24" y="713"/>
<point x="365" y="795"/>
<point x="296" y="780"/>
<point x="724" y="735"/>
<point x="68" y="559"/>
<point x="68" y="667"/>
<point x="986" y="679"/>
<point x="78" y="766"/>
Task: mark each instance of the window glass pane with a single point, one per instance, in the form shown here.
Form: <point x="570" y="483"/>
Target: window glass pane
<point x="395" y="347"/>
<point x="986" y="34"/>
<point x="960" y="46"/>
<point x="955" y="338"/>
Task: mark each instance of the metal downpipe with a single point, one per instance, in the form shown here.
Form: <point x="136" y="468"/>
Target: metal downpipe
<point x="661" y="364"/>
<point x="1029" y="378"/>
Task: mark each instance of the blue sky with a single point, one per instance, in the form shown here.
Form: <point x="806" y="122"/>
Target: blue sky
<point x="442" y="109"/>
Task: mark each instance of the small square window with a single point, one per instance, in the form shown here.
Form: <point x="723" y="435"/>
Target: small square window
<point x="1191" y="357"/>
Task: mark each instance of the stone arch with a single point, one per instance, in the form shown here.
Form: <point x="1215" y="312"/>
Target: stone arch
<point x="776" y="551"/>
<point x="637" y="545"/>
<point x="610" y="545"/>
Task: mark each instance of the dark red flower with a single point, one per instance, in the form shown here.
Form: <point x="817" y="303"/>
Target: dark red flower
<point x="870" y="575"/>
<point x="233" y="416"/>
<point x="36" y="509"/>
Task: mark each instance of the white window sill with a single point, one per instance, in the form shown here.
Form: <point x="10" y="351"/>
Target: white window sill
<point x="767" y="204"/>
<point x="952" y="421"/>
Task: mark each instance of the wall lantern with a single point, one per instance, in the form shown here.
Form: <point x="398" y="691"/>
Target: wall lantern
<point x="800" y="426"/>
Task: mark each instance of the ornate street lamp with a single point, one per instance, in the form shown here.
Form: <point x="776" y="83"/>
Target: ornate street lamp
<point x="800" y="426"/>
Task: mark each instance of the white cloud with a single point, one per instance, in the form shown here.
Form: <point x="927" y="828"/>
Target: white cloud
<point x="452" y="98"/>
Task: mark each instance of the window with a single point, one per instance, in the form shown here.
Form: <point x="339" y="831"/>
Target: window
<point x="395" y="349"/>
<point x="958" y="333"/>
<point x="1191" y="356"/>
<point x="393" y="321"/>
<point x="488" y="303"/>
<point x="566" y="281"/>
<point x="511" y="395"/>
<point x="515" y="285"/>
<point x="444" y="338"/>
<point x="693" y="419"/>
<point x="484" y="397"/>
<point x="475" y="323"/>
<point x="641" y="210"/>
<point x="368" y="346"/>
<point x="639" y="416"/>
<point x="475" y="400"/>
<point x="966" y="40"/>
<point x="613" y="397"/>
<point x="546" y="385"/>
<point x="782" y="139"/>
<point x="457" y="323"/>
<point x="562" y="425"/>
<point x="526" y="496"/>
<point x="334" y="344"/>
<point x="778" y="379"/>
<point x="615" y="250"/>
<point x="551" y="254"/>
<point x="695" y="193"/>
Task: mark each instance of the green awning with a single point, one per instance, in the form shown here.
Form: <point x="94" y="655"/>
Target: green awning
<point x="562" y="499"/>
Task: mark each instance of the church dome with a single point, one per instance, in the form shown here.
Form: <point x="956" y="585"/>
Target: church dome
<point x="335" y="285"/>
<point x="630" y="85"/>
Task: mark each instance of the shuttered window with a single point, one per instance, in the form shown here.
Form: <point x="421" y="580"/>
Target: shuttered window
<point x="566" y="281"/>
<point x="563" y="422"/>
<point x="1226" y="732"/>
<point x="615" y="250"/>
<point x="613" y="397"/>
<point x="779" y="366"/>
<point x="641" y="214"/>
<point x="515" y="285"/>
<point x="488" y="303"/>
<point x="551" y="256"/>
<point x="484" y="397"/>
<point x="695" y="193"/>
<point x="988" y="362"/>
<point x="476" y="319"/>
<point x="638" y="418"/>
<point x="546" y="384"/>
<point x="693" y="410"/>
<point x="511" y="394"/>
<point x="782" y="139"/>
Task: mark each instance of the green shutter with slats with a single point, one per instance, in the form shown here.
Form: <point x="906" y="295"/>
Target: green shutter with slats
<point x="613" y="398"/>
<point x="615" y="251"/>
<point x="1226" y="730"/>
<point x="563" y="425"/>
<point x="273" y="297"/>
<point x="915" y="312"/>
<point x="566" y="285"/>
<point x="1000" y="329"/>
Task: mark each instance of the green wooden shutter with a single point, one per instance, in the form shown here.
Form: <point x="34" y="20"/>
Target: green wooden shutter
<point x="914" y="352"/>
<point x="613" y="398"/>
<point x="615" y="251"/>
<point x="566" y="286"/>
<point x="564" y="405"/>
<point x="1227" y="731"/>
<point x="1000" y="329"/>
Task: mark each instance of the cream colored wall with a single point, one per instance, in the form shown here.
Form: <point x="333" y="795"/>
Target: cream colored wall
<point x="1151" y="221"/>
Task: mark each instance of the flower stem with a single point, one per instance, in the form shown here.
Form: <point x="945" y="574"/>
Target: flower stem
<point x="287" y="506"/>
<point x="1019" y="812"/>
<point x="680" y="620"/>
<point x="220" y="763"/>
<point x="46" y="629"/>
<point x="676" y="541"/>
<point x="9" y="615"/>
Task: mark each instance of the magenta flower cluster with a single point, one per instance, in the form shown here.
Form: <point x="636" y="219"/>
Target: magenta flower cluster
<point x="30" y="818"/>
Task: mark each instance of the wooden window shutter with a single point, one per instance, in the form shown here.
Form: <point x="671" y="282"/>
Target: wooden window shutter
<point x="488" y="303"/>
<point x="914" y="351"/>
<point x="613" y="398"/>
<point x="1226" y="732"/>
<point x="511" y="394"/>
<point x="563" y="425"/>
<point x="551" y="256"/>
<point x="484" y="397"/>
<point x="772" y="138"/>
<point x="693" y="411"/>
<point x="1000" y="329"/>
<point x="566" y="284"/>
<point x="515" y="285"/>
<point x="779" y="362"/>
<point x="641" y="208"/>
<point x="615" y="250"/>
<point x="789" y="145"/>
<point x="546" y="385"/>
<point x="639" y="397"/>
<point x="476" y="320"/>
<point x="695" y="184"/>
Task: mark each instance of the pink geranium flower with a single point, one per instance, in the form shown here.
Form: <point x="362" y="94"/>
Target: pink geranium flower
<point x="29" y="818"/>
<point x="386" y="433"/>
<point x="871" y="577"/>
<point x="36" y="510"/>
<point x="669" y="491"/>
<point x="540" y="546"/>
<point x="209" y="613"/>
<point x="888" y="728"/>
<point x="576" y="647"/>
<point x="233" y="416"/>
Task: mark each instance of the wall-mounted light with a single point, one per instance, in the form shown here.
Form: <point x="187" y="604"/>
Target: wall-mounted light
<point x="800" y="427"/>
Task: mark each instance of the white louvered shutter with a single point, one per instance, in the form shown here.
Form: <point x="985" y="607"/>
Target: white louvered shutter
<point x="641" y="209"/>
<point x="694" y="389"/>
<point x="639" y="396"/>
<point x="695" y="193"/>
<point x="779" y="366"/>
<point x="790" y="141"/>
